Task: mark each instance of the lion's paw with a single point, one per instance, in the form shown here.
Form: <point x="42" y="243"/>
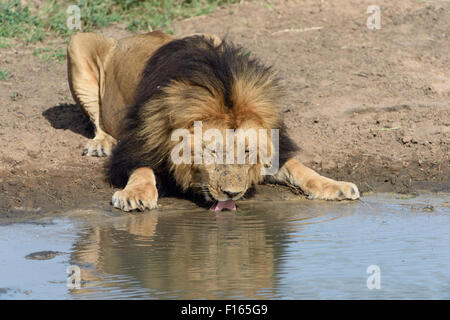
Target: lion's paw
<point x="99" y="146"/>
<point x="334" y="190"/>
<point x="136" y="198"/>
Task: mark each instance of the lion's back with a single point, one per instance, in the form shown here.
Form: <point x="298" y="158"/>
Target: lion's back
<point x="123" y="73"/>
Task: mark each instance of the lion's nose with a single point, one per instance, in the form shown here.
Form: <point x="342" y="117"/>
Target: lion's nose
<point x="231" y="194"/>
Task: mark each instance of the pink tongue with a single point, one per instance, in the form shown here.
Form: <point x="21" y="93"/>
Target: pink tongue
<point x="220" y="205"/>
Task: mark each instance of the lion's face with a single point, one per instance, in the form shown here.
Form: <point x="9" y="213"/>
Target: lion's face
<point x="223" y="182"/>
<point x="228" y="162"/>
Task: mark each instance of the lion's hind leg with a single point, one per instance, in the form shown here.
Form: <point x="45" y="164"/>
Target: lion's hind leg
<point x="86" y="55"/>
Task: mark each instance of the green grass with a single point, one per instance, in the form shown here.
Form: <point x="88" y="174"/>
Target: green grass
<point x="51" y="53"/>
<point x="5" y="43"/>
<point x="31" y="24"/>
<point x="4" y="74"/>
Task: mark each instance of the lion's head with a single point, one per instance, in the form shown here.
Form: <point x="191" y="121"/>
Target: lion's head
<point x="207" y="114"/>
<point x="222" y="159"/>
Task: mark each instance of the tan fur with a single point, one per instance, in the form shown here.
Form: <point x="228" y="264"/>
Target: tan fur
<point x="315" y="185"/>
<point x="103" y="76"/>
<point x="140" y="192"/>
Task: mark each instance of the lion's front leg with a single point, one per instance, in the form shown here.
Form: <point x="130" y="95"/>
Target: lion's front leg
<point x="315" y="185"/>
<point x="139" y="193"/>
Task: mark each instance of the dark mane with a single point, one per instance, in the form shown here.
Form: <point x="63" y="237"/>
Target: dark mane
<point x="198" y="62"/>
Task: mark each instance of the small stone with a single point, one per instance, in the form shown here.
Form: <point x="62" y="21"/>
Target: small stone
<point x="43" y="255"/>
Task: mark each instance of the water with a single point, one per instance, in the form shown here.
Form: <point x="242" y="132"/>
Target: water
<point x="268" y="250"/>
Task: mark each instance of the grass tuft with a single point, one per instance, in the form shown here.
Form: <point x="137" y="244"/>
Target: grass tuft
<point x="4" y="74"/>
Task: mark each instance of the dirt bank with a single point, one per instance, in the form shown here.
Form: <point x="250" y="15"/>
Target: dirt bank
<point x="368" y="106"/>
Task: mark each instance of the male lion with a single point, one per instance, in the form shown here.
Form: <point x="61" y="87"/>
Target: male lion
<point x="140" y="89"/>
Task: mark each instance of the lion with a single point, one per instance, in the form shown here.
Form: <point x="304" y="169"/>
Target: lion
<point x="139" y="90"/>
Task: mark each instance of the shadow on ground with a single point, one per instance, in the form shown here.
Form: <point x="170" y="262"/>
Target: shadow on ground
<point x="70" y="117"/>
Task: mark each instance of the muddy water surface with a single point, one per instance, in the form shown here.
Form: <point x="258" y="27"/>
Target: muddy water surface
<point x="267" y="250"/>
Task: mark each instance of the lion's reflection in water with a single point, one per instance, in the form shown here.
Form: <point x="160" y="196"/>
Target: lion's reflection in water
<point x="187" y="254"/>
